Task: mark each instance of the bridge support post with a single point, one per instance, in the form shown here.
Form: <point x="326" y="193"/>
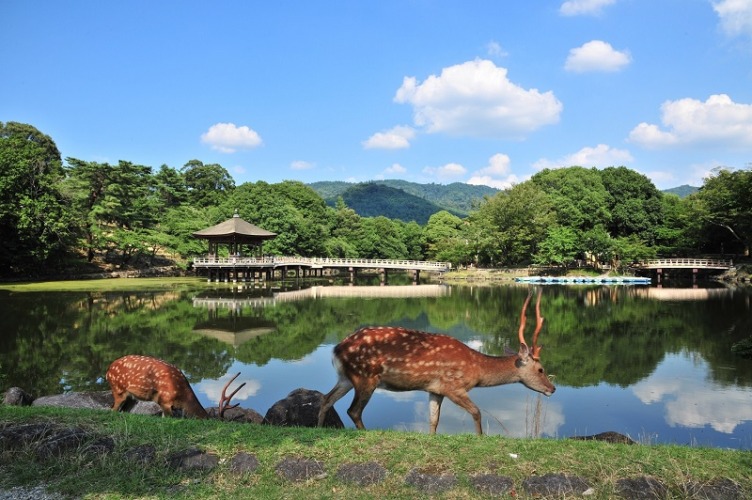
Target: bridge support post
<point x="416" y="276"/>
<point x="659" y="271"/>
<point x="382" y="276"/>
<point x="352" y="272"/>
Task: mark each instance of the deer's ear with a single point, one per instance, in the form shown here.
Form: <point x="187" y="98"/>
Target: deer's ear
<point x="524" y="351"/>
<point x="523" y="356"/>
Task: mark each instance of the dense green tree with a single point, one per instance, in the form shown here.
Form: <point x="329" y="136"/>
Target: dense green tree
<point x="412" y="236"/>
<point x="381" y="238"/>
<point x="131" y="196"/>
<point x="207" y="185"/>
<point x="629" y="249"/>
<point x="442" y="229"/>
<point x="114" y="205"/>
<point x="726" y="200"/>
<point x="86" y="186"/>
<point x="510" y="226"/>
<point x="580" y="200"/>
<point x="559" y="247"/>
<point x="345" y="226"/>
<point x="171" y="188"/>
<point x="35" y="225"/>
<point x="177" y="226"/>
<point x="286" y="209"/>
<point x="680" y="227"/>
<point x="597" y="245"/>
<point x="634" y="204"/>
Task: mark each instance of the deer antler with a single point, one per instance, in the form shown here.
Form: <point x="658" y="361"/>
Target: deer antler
<point x="522" y="319"/>
<point x="538" y="326"/>
<point x="535" y="351"/>
<point x="224" y="401"/>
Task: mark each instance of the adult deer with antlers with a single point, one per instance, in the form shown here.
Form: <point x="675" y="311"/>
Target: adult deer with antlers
<point x="398" y="359"/>
<point x="134" y="377"/>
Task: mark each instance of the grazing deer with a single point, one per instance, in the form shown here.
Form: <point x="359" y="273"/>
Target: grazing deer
<point x="398" y="359"/>
<point x="150" y="379"/>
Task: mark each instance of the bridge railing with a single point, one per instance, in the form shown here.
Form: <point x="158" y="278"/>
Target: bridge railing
<point x="279" y="261"/>
<point x="678" y="263"/>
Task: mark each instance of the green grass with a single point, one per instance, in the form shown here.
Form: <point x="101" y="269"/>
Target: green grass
<point x="102" y="285"/>
<point x="111" y="476"/>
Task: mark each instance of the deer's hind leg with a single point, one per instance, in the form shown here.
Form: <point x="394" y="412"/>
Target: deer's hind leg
<point x="342" y="387"/>
<point x="364" y="387"/>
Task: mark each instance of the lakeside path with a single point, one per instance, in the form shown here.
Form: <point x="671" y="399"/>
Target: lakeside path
<point x="100" y="455"/>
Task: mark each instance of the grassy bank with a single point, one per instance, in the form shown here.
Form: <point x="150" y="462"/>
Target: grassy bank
<point x="113" y="475"/>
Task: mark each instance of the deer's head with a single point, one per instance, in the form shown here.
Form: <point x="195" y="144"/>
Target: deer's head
<point x="531" y="371"/>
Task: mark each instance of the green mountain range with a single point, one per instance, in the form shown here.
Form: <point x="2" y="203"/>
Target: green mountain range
<point x="411" y="201"/>
<point x="403" y="200"/>
<point x="682" y="191"/>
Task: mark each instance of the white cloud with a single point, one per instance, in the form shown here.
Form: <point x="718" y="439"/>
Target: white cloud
<point x="600" y="156"/>
<point x="587" y="7"/>
<point x="301" y="165"/>
<point x="495" y="49"/>
<point x="396" y="168"/>
<point x="596" y="55"/>
<point x="228" y="137"/>
<point x="716" y="122"/>
<point x="398" y="137"/>
<point x="476" y="98"/>
<point x="213" y="389"/>
<point x="448" y="171"/>
<point x="735" y="16"/>
<point x="691" y="401"/>
<point x="496" y="174"/>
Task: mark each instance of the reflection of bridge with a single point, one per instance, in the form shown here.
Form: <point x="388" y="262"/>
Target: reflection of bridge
<point x="689" y="263"/>
<point x="321" y="292"/>
<point x="251" y="268"/>
<point x="683" y="294"/>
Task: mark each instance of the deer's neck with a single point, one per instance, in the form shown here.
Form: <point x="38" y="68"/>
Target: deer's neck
<point x="497" y="370"/>
<point x="192" y="407"/>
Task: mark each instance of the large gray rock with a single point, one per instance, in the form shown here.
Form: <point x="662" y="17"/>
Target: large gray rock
<point x="15" y="396"/>
<point x="101" y="400"/>
<point x="301" y="409"/>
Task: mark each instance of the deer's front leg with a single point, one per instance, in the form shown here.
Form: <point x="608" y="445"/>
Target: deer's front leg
<point x="434" y="410"/>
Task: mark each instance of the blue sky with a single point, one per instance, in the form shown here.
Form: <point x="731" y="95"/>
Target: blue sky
<point x="483" y="92"/>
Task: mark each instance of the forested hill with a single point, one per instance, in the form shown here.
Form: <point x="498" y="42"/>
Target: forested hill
<point x="682" y="191"/>
<point x="404" y="200"/>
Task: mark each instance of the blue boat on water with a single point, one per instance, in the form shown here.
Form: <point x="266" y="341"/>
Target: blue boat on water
<point x="579" y="280"/>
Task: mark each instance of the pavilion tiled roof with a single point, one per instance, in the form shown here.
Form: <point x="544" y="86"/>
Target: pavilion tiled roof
<point x="235" y="227"/>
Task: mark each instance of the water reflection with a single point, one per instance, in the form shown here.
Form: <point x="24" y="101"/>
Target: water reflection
<point x="690" y="401"/>
<point x="651" y="363"/>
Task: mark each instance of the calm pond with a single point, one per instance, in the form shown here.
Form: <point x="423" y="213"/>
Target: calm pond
<point x="652" y="363"/>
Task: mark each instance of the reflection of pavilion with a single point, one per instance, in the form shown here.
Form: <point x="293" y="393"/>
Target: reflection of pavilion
<point x="233" y="327"/>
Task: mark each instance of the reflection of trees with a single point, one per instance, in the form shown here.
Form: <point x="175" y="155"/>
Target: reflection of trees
<point x="65" y="341"/>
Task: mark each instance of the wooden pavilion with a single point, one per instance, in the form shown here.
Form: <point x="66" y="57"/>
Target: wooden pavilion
<point x="236" y="234"/>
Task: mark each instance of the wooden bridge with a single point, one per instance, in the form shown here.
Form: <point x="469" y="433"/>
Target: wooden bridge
<point x="240" y="268"/>
<point x="687" y="263"/>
